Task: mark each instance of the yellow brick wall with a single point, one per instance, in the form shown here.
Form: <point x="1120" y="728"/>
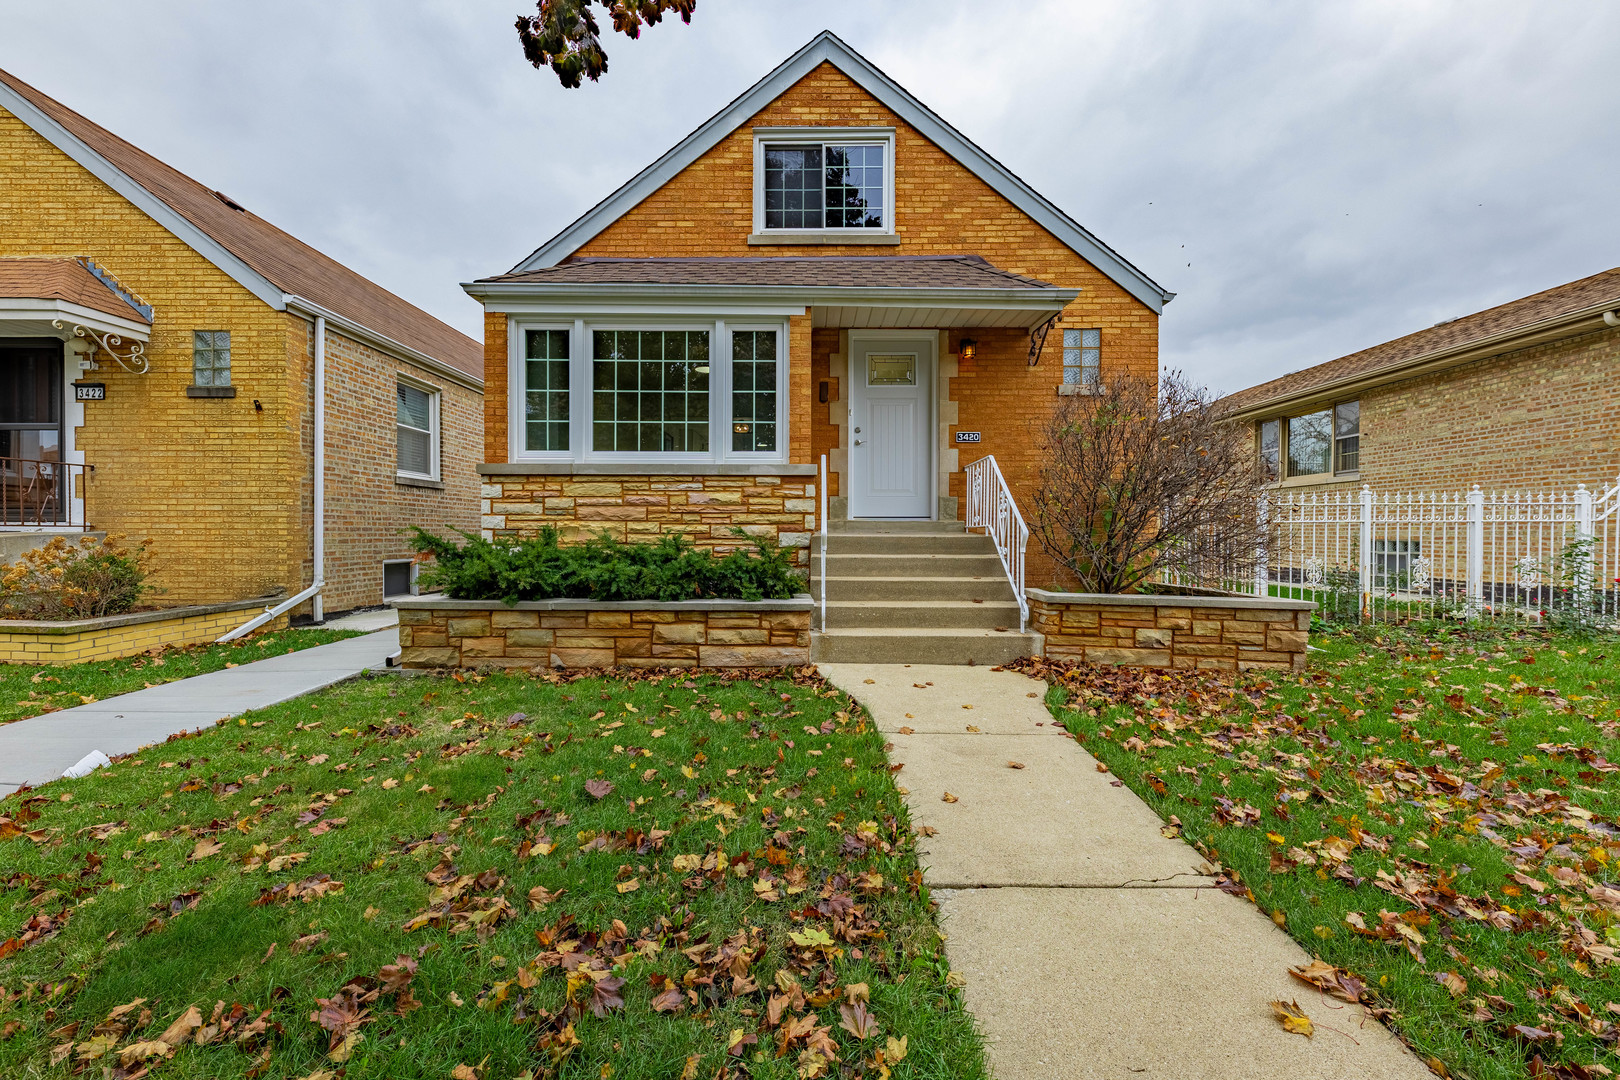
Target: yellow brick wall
<point x="25" y="647"/>
<point x="368" y="508"/>
<point x="209" y="480"/>
<point x="224" y="486"/>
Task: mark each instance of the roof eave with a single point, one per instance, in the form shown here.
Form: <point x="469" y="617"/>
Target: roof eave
<point x="1540" y="332"/>
<point x="1054" y="299"/>
<point x="298" y="305"/>
<point x="827" y="47"/>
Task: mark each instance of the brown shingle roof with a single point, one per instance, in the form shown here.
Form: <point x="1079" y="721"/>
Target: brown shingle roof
<point x="1598" y="290"/>
<point x="812" y="271"/>
<point x="289" y="263"/>
<point x="63" y="279"/>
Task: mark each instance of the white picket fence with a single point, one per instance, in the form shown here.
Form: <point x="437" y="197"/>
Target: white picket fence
<point x="1393" y="556"/>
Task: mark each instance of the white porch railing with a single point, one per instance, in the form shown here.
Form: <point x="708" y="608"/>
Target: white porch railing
<point x="990" y="507"/>
<point x="1391" y="556"/>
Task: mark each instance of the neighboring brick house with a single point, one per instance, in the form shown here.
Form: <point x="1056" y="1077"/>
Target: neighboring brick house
<point x="680" y="357"/>
<point x="158" y="356"/>
<point x="1524" y="396"/>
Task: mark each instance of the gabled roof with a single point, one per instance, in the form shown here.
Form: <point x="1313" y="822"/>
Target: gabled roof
<point x="70" y="280"/>
<point x="277" y="268"/>
<point x="800" y="271"/>
<point x="1563" y="311"/>
<point x="826" y="47"/>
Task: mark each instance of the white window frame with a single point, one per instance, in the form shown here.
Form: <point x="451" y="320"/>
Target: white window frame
<point x="434" y="394"/>
<point x="581" y="438"/>
<point x="864" y="136"/>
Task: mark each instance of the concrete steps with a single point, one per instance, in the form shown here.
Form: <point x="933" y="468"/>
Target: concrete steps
<point x="915" y="592"/>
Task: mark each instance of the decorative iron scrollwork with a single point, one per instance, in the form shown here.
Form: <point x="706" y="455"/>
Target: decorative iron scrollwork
<point x="134" y="358"/>
<point x="1037" y="340"/>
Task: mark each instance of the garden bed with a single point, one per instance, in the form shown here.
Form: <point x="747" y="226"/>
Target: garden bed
<point x="1221" y="633"/>
<point x="72" y="641"/>
<point x="440" y="633"/>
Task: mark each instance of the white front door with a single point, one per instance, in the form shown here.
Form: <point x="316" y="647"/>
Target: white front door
<point x="891" y="426"/>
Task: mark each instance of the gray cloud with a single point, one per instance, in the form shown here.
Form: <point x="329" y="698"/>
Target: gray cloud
<point x="1311" y="179"/>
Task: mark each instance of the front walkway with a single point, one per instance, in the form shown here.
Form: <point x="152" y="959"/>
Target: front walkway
<point x="38" y="749"/>
<point x="1092" y="945"/>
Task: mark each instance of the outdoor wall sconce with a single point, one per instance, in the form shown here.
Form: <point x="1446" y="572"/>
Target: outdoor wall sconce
<point x="967" y="348"/>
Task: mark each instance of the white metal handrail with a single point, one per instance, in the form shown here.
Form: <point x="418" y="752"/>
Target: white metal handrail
<point x="990" y="507"/>
<point x="823" y="533"/>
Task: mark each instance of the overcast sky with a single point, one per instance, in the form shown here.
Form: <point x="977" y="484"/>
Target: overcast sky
<point x="1309" y="178"/>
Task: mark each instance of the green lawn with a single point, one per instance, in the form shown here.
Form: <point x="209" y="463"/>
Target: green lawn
<point x="503" y="875"/>
<point x="31" y="689"/>
<point x="1433" y="811"/>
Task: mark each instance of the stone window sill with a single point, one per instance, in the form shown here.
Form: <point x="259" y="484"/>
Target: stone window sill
<point x="418" y="482"/>
<point x="210" y="391"/>
<point x="773" y="239"/>
<point x="1315" y="480"/>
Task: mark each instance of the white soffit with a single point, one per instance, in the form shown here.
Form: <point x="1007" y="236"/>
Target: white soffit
<point x="827" y="47"/>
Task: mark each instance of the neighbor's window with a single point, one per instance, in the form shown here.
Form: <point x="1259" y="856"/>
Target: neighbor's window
<point x="417" y="427"/>
<point x="545" y="390"/>
<point x="211" y="358"/>
<point x="1310" y="443"/>
<point x="753" y="391"/>
<point x="650" y="391"/>
<point x="1347" y="436"/>
<point x="1315" y="444"/>
<point x="825" y="185"/>
<point x="1082" y="357"/>
<point x="1270" y="432"/>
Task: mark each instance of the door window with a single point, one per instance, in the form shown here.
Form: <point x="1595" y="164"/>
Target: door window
<point x="31" y="402"/>
<point x="891" y="369"/>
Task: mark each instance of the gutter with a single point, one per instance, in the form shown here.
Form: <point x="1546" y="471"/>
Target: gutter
<point x="311" y="310"/>
<point x="1551" y="328"/>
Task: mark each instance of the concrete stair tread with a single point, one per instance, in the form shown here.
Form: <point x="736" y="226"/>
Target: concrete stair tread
<point x="931" y="605"/>
<point x="923" y="631"/>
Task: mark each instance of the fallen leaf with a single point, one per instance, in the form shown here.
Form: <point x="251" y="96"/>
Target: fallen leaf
<point x="948" y="797"/>
<point x="907" y="731"/>
<point x="973" y="729"/>
<point x="1015" y="764"/>
<point x="1292" y="1018"/>
<point x="598" y="789"/>
<point x="180" y="1031"/>
<point x="628" y="886"/>
<point x="205" y="847"/>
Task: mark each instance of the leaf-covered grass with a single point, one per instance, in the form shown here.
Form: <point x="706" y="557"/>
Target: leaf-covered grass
<point x="508" y="850"/>
<point x="1433" y="811"/>
<point x="31" y="689"/>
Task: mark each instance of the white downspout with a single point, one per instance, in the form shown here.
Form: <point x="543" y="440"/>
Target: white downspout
<point x="1612" y="317"/>
<point x="318" y="609"/>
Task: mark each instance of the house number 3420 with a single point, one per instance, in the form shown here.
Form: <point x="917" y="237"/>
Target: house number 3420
<point x="967" y="436"/>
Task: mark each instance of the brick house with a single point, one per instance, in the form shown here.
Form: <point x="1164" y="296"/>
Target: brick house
<point x="160" y="349"/>
<point x="1525" y="395"/>
<point x="823" y="267"/>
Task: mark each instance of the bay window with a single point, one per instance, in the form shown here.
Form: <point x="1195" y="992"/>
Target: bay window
<point x="678" y="391"/>
<point x="1323" y="443"/>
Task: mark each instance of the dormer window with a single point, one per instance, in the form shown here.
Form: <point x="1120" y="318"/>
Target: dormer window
<point x="824" y="181"/>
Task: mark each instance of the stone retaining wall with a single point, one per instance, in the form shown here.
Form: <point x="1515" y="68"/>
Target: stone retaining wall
<point x="436" y="633"/>
<point x="1220" y="633"/>
<point x="634" y="507"/>
<point x="46" y="642"/>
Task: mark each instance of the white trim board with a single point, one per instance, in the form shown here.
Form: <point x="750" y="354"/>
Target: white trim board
<point x="827" y="47"/>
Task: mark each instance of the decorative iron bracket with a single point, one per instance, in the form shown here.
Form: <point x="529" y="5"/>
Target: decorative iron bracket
<point x="134" y="359"/>
<point x="1037" y="340"/>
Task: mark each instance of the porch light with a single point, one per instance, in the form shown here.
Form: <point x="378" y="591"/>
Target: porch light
<point x="967" y="348"/>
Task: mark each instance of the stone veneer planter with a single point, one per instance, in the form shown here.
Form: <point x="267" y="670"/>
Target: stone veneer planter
<point x="31" y="641"/>
<point x="439" y="633"/>
<point x="1222" y="633"/>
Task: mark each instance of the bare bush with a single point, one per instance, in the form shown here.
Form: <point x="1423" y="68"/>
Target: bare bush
<point x="1146" y="482"/>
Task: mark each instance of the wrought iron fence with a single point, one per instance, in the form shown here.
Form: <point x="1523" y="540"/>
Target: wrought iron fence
<point x="1394" y="556"/>
<point x="43" y="493"/>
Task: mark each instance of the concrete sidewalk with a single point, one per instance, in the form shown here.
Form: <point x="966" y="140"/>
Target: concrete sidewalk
<point x="1093" y="946"/>
<point x="38" y="749"/>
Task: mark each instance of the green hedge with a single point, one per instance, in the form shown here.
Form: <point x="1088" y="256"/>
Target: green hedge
<point x="602" y="568"/>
